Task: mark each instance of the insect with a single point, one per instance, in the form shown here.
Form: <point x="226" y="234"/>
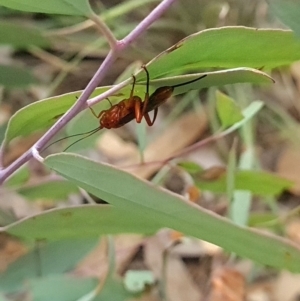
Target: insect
<point x="126" y="110"/>
<point x="135" y="108"/>
<point x="132" y="108"/>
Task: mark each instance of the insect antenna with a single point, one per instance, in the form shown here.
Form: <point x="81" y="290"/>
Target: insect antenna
<point x="89" y="133"/>
<point x="189" y="82"/>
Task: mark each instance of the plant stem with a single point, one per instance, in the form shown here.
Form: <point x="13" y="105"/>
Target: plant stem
<point x="104" y="29"/>
<point x="81" y="103"/>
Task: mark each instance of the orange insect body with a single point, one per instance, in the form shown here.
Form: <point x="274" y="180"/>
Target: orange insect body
<point x="111" y="118"/>
<point x="134" y="108"/>
<point x="138" y="109"/>
<point x="126" y="110"/>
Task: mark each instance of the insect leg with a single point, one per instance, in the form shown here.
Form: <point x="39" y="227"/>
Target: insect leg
<point x="109" y="101"/>
<point x="146" y="100"/>
<point x="100" y="114"/>
<point x="133" y="84"/>
<point x="147" y="117"/>
<point x="94" y="113"/>
<point x="138" y="110"/>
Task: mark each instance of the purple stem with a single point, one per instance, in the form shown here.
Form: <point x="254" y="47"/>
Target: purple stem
<point x="81" y="103"/>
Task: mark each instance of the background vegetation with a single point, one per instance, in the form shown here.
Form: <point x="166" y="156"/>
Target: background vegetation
<point x="76" y="228"/>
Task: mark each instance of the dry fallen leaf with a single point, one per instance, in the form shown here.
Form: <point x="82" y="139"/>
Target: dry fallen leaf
<point x="288" y="167"/>
<point x="179" y="283"/>
<point x="227" y="284"/>
<point x="293" y="230"/>
<point x="287" y="287"/>
<point x="10" y="250"/>
<point x="261" y="291"/>
<point x="5" y="113"/>
<point x="186" y="266"/>
<point x="15" y="206"/>
<point x="96" y="263"/>
<point x="114" y="147"/>
<point x="295" y="72"/>
<point x="175" y="138"/>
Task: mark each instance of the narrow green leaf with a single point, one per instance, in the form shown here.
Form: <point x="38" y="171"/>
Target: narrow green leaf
<point x="265" y="219"/>
<point x="228" y="47"/>
<point x="44" y="113"/>
<point x="141" y="133"/>
<point x="242" y="200"/>
<point x="52" y="190"/>
<point x="228" y="111"/>
<point x="258" y="182"/>
<point x="28" y="120"/>
<point x="288" y="11"/>
<point x="240" y="207"/>
<point x="20" y="36"/>
<point x="15" y="77"/>
<point x="190" y="167"/>
<point x="213" y="79"/>
<point x="62" y="7"/>
<point x="139" y="207"/>
<point x="83" y="123"/>
<point x="114" y="290"/>
<point x="248" y="113"/>
<point x="94" y="220"/>
<point x="50" y="258"/>
<point x="3" y="128"/>
<point x="230" y="174"/>
<point x="19" y="177"/>
<point x="37" y="116"/>
<point x="60" y="287"/>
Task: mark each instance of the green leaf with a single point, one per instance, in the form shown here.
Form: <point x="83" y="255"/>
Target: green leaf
<point x="83" y="123"/>
<point x="190" y="167"/>
<point x="141" y="134"/>
<point x="113" y="290"/>
<point x="15" y="77"/>
<point x="50" y="258"/>
<point x="265" y="219"/>
<point x="44" y="113"/>
<point x="139" y="207"/>
<point x="37" y="116"/>
<point x="228" y="111"/>
<point x="52" y="190"/>
<point x="94" y="220"/>
<point x="228" y="47"/>
<point x="28" y="119"/>
<point x="258" y="182"/>
<point x="242" y="200"/>
<point x="3" y="128"/>
<point x="230" y="172"/>
<point x="21" y="176"/>
<point x="248" y="113"/>
<point x="20" y="36"/>
<point x="288" y="11"/>
<point x="213" y="79"/>
<point x="62" y="7"/>
<point x="60" y="287"/>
